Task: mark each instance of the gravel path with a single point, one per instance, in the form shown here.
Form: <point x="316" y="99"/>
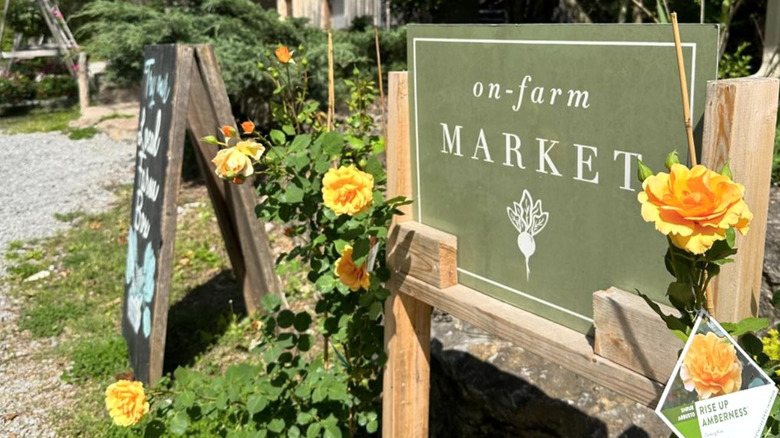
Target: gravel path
<point x="40" y="175"/>
<point x="44" y="174"/>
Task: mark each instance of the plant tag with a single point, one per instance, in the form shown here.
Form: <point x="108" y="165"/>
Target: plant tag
<point x="716" y="389"/>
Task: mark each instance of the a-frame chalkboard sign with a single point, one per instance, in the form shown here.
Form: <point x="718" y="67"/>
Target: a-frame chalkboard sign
<point x="182" y="92"/>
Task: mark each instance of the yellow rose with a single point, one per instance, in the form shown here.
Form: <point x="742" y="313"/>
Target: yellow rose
<point x="347" y="190"/>
<point x="711" y="367"/>
<point x="349" y="273"/>
<point x="234" y="164"/>
<point x="251" y="149"/>
<point x="126" y="402"/>
<point x="694" y="207"/>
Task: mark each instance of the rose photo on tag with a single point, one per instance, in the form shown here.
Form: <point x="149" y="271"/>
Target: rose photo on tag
<point x="716" y="389"/>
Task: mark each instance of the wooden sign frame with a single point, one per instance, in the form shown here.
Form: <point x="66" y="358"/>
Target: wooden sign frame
<point x="632" y="351"/>
<point x="200" y="107"/>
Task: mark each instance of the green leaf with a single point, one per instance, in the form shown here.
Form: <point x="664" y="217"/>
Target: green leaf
<point x="285" y="318"/>
<point x="672" y="323"/>
<point x="731" y="237"/>
<point x="745" y="326"/>
<point x="305" y="342"/>
<point x="288" y="129"/>
<point x="313" y="430"/>
<point x="210" y="139"/>
<point x="375" y="310"/>
<point x="271" y="302"/>
<point x="302" y="321"/>
<point x="293" y="432"/>
<point x="681" y="293"/>
<point x="332" y="143"/>
<point x="726" y="171"/>
<point x="186" y="399"/>
<point x="752" y="345"/>
<point x="356" y="143"/>
<point x="300" y="143"/>
<point x="155" y="429"/>
<point x="278" y="137"/>
<point x="360" y="251"/>
<point x="256" y="403"/>
<point x="374" y="167"/>
<point x="304" y="418"/>
<point x="179" y="423"/>
<point x="292" y="195"/>
<point x="276" y="425"/>
<point x="662" y="17"/>
<point x="776" y="299"/>
<point x="372" y="426"/>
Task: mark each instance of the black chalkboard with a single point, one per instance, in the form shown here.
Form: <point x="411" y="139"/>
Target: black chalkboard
<point x="146" y="235"/>
<point x="182" y="92"/>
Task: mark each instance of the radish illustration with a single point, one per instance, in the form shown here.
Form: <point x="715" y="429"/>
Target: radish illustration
<point x="529" y="219"/>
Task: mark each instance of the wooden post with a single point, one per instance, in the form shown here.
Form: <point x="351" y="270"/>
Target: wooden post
<point x="83" y="82"/>
<point x="407" y="320"/>
<point x="739" y="128"/>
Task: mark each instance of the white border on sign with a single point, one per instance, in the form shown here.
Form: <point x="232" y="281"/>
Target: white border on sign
<point x="699" y="318"/>
<point x="527" y="42"/>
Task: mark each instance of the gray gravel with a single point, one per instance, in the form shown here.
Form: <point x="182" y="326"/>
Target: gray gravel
<point x="40" y="175"/>
<point x="44" y="174"/>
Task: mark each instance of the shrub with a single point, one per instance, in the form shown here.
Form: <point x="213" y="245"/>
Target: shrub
<point x="51" y="87"/>
<point x="16" y="88"/>
<point x="243" y="35"/>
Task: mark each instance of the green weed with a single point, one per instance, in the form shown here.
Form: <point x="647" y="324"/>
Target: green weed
<point x="38" y="121"/>
<point x="97" y="359"/>
<point x="83" y="133"/>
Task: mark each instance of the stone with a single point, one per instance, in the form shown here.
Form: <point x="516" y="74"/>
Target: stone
<point x="37" y="276"/>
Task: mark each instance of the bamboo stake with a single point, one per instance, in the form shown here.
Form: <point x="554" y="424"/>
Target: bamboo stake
<point x="709" y="294"/>
<point x="381" y="87"/>
<point x="684" y="90"/>
<point x="331" y="87"/>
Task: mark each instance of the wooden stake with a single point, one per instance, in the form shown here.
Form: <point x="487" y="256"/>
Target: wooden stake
<point x="331" y="88"/>
<point x="684" y="90"/>
<point x="381" y="86"/>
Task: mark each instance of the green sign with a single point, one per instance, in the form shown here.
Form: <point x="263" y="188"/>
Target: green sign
<point x="524" y="146"/>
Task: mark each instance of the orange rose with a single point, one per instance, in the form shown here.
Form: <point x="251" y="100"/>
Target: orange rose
<point x="694" y="207"/>
<point x="228" y="131"/>
<point x="347" y="190"/>
<point x="349" y="273"/>
<point x="711" y="367"/>
<point x="126" y="402"/>
<point x="248" y="127"/>
<point x="283" y="54"/>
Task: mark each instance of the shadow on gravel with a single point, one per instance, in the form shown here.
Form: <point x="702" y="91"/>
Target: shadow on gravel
<point x="474" y="399"/>
<point x="198" y="320"/>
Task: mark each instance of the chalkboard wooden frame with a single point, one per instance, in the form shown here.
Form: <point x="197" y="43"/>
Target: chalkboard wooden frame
<point x="199" y="106"/>
<point x="739" y="128"/>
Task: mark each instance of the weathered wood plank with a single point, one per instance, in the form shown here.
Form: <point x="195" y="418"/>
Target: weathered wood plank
<point x="630" y="334"/>
<point x="424" y="253"/>
<point x="407" y="320"/>
<point x="184" y="60"/>
<point x="739" y="128"/>
<point x="201" y="122"/>
<point x="260" y="276"/>
<point x="552" y="341"/>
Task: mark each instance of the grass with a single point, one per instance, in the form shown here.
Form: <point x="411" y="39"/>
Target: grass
<point x="80" y="303"/>
<point x="38" y="120"/>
